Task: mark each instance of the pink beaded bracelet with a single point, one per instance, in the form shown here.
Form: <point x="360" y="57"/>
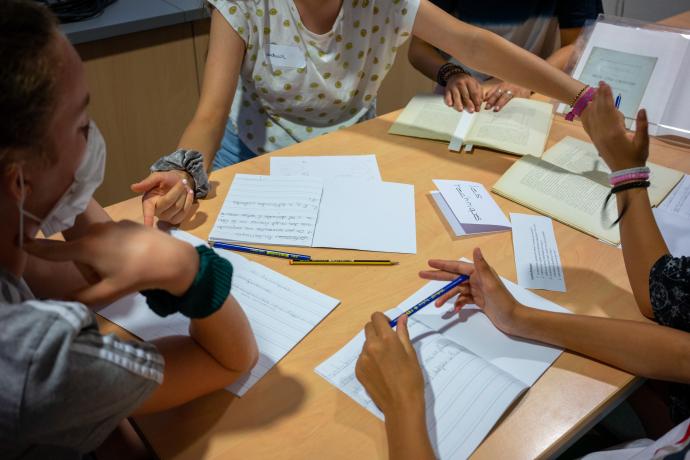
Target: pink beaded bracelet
<point x="581" y="103"/>
<point x="641" y="176"/>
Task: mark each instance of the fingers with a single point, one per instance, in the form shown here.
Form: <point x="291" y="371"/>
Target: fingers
<point x="447" y="296"/>
<point x="369" y="331"/>
<point x="170" y="199"/>
<point x="148" y="206"/>
<point x="404" y="335"/>
<point x="381" y="324"/>
<point x="476" y="93"/>
<point x="449" y="96"/>
<point x="466" y="99"/>
<point x="437" y="275"/>
<point x="493" y="97"/>
<point x="58" y="251"/>
<point x="505" y="97"/>
<point x="175" y="210"/>
<point x="452" y="266"/>
<point x="457" y="98"/>
<point x="151" y="182"/>
<point x="641" y="138"/>
<point x="182" y="215"/>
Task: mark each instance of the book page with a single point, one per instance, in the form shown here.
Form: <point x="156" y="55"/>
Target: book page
<point x="465" y="395"/>
<point x="281" y="312"/>
<point x="563" y="195"/>
<point x="520" y="128"/>
<point x="582" y="158"/>
<point x="327" y="167"/>
<point x="368" y="216"/>
<point x="269" y="210"/>
<point x="427" y="116"/>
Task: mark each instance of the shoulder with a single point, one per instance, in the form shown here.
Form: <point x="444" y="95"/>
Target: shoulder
<point x="65" y="382"/>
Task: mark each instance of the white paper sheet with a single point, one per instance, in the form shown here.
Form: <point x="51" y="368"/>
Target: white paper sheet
<point x="537" y="260"/>
<point x="473" y="372"/>
<point x="269" y="210"/>
<point x="472" y="206"/>
<point x="678" y="201"/>
<point x="280" y="310"/>
<point x="327" y="167"/>
<point x="675" y="230"/>
<point x="367" y="215"/>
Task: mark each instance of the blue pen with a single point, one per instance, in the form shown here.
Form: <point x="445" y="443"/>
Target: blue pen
<point x="618" y="100"/>
<point x="444" y="290"/>
<point x="259" y="251"/>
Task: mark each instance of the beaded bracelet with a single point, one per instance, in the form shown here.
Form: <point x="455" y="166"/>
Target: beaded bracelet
<point x="581" y="103"/>
<point x="622" y="188"/>
<point x="623" y="172"/>
<point x="446" y="71"/>
<point x="614" y="181"/>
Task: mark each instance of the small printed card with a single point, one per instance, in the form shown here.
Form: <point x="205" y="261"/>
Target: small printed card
<point x="537" y="260"/>
<point x="469" y="208"/>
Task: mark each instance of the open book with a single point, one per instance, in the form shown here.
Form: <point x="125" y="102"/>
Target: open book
<point x="472" y="371"/>
<point x="281" y="312"/>
<point x="520" y="128"/>
<point x="570" y="183"/>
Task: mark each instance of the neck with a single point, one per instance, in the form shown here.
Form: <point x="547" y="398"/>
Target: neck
<point x="318" y="15"/>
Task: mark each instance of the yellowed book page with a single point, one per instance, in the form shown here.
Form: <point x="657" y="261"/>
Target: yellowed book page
<point x="558" y="193"/>
<point x="583" y="158"/>
<point x="427" y="116"/>
<point x="520" y="128"/>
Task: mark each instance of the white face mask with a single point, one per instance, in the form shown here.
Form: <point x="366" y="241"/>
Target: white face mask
<point x="87" y="178"/>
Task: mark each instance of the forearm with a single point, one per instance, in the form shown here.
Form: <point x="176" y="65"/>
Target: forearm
<point x="490" y="54"/>
<point x="642" y="244"/>
<point x="425" y="58"/>
<point x="94" y="214"/>
<point x="204" y="134"/>
<point x="408" y="438"/>
<point x="561" y="57"/>
<point x="643" y="349"/>
<point x="227" y="336"/>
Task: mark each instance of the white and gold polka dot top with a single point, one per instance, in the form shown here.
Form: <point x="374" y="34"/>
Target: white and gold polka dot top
<point x="296" y="84"/>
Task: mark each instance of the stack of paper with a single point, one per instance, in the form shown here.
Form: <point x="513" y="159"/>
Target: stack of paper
<point x="336" y="202"/>
<point x="472" y="371"/>
<point x="468" y="208"/>
<point x="280" y="310"/>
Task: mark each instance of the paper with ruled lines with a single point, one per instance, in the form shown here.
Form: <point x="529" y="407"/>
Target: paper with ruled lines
<point x="281" y="312"/>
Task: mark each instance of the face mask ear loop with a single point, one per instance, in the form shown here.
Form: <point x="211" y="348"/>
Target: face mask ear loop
<point x="21" y="208"/>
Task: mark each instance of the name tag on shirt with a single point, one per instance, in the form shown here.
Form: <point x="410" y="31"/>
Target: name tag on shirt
<point x="286" y="56"/>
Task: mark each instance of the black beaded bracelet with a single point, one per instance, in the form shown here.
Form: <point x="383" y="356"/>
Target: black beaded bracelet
<point x="621" y="188"/>
<point x="446" y="71"/>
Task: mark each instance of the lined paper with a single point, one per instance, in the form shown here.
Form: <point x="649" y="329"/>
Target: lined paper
<point x="473" y="372"/>
<point x="327" y="167"/>
<point x="281" y="312"/>
<point x="269" y="210"/>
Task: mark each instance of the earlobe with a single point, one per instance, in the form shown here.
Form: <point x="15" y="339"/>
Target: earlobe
<point x="12" y="182"/>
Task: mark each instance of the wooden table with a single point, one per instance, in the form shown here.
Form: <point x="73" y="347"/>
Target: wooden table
<point x="293" y="413"/>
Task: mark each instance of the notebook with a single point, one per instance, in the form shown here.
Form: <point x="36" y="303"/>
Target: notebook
<point x="281" y="312"/>
<point x="570" y="183"/>
<point x="472" y="371"/>
<point x="346" y="213"/>
<point x="520" y="128"/>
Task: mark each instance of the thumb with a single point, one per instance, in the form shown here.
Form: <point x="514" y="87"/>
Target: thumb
<point x="147" y="184"/>
<point x="486" y="274"/>
<point x="57" y="251"/>
<point x="404" y="334"/>
<point x="148" y="206"/>
<point x="641" y="138"/>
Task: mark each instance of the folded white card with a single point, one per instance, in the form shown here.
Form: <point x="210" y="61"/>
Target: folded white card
<point x="327" y="167"/>
<point x="678" y="201"/>
<point x="537" y="260"/>
<point x="469" y="208"/>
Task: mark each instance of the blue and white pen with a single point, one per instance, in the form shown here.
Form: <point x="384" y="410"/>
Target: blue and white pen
<point x="618" y="100"/>
<point x="444" y="290"/>
<point x="259" y="251"/>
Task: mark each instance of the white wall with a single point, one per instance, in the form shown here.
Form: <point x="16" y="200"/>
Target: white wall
<point x="647" y="10"/>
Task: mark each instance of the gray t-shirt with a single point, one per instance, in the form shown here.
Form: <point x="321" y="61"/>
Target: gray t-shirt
<point x="65" y="387"/>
